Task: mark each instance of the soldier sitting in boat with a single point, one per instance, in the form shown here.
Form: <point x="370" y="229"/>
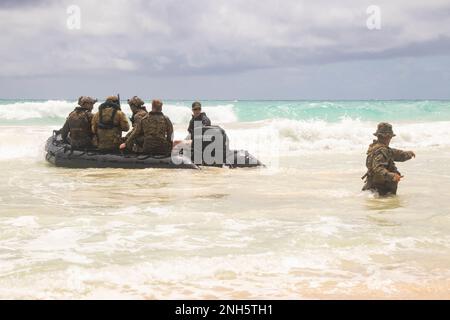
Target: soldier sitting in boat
<point x="382" y="175"/>
<point x="108" y="124"/>
<point x="197" y="115"/>
<point x="157" y="130"/>
<point x="77" y="128"/>
<point x="138" y="111"/>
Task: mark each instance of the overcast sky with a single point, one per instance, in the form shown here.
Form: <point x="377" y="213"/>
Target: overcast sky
<point x="226" y="49"/>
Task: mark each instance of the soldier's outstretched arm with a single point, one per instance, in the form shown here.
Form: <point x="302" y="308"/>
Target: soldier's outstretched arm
<point x="134" y="133"/>
<point x="400" y="155"/>
<point x="65" y="130"/>
<point x="169" y="130"/>
<point x="379" y="165"/>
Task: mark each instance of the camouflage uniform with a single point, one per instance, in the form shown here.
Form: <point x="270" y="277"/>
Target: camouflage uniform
<point x="157" y="130"/>
<point x="380" y="164"/>
<point x="108" y="124"/>
<point x="203" y="118"/>
<point x="139" y="112"/>
<point x="77" y="128"/>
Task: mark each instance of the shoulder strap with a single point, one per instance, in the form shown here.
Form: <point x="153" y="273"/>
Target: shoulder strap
<point x="113" y="115"/>
<point x="379" y="148"/>
<point x="370" y="157"/>
<point x="383" y="151"/>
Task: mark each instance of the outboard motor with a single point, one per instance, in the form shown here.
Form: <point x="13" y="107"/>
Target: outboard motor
<point x="210" y="147"/>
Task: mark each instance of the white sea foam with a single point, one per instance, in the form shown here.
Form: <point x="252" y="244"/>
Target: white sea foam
<point x="53" y="109"/>
<point x="266" y="137"/>
<point x="272" y="137"/>
<point x="292" y="136"/>
<point x="24" y="143"/>
<point x="22" y="222"/>
<point x="36" y="110"/>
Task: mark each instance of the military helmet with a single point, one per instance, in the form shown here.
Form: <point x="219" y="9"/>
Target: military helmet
<point x="196" y="104"/>
<point x="112" y="99"/>
<point x="86" y="100"/>
<point x="136" y="101"/>
<point x="384" y="129"/>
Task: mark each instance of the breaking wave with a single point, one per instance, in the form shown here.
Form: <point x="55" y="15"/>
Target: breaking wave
<point x="265" y="138"/>
<point x="53" y="112"/>
<point x="262" y="127"/>
<point x="292" y="136"/>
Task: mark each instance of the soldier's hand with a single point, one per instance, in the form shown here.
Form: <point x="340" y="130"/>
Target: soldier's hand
<point x="122" y="146"/>
<point x="396" y="177"/>
<point x="413" y="155"/>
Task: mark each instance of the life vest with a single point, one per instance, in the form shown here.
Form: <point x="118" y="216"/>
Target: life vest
<point x="80" y="126"/>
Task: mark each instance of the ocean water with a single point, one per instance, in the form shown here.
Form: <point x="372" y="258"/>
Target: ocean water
<point x="299" y="228"/>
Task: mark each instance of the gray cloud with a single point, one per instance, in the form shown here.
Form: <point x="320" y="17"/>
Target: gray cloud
<point x="219" y="37"/>
<point x="23" y="3"/>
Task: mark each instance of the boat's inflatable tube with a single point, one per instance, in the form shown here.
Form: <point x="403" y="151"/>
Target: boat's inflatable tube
<point x="61" y="155"/>
<point x="210" y="147"/>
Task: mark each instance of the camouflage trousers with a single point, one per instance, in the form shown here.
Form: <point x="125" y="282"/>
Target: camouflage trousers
<point x="80" y="143"/>
<point x="138" y="145"/>
<point x="156" y="147"/>
<point x="383" y="189"/>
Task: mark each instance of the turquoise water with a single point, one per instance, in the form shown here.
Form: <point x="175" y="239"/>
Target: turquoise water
<point x="335" y="110"/>
<point x="42" y="112"/>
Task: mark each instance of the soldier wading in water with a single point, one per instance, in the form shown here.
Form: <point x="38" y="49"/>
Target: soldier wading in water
<point x="382" y="175"/>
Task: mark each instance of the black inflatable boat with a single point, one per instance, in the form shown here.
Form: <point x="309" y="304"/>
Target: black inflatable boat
<point x="61" y="154"/>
